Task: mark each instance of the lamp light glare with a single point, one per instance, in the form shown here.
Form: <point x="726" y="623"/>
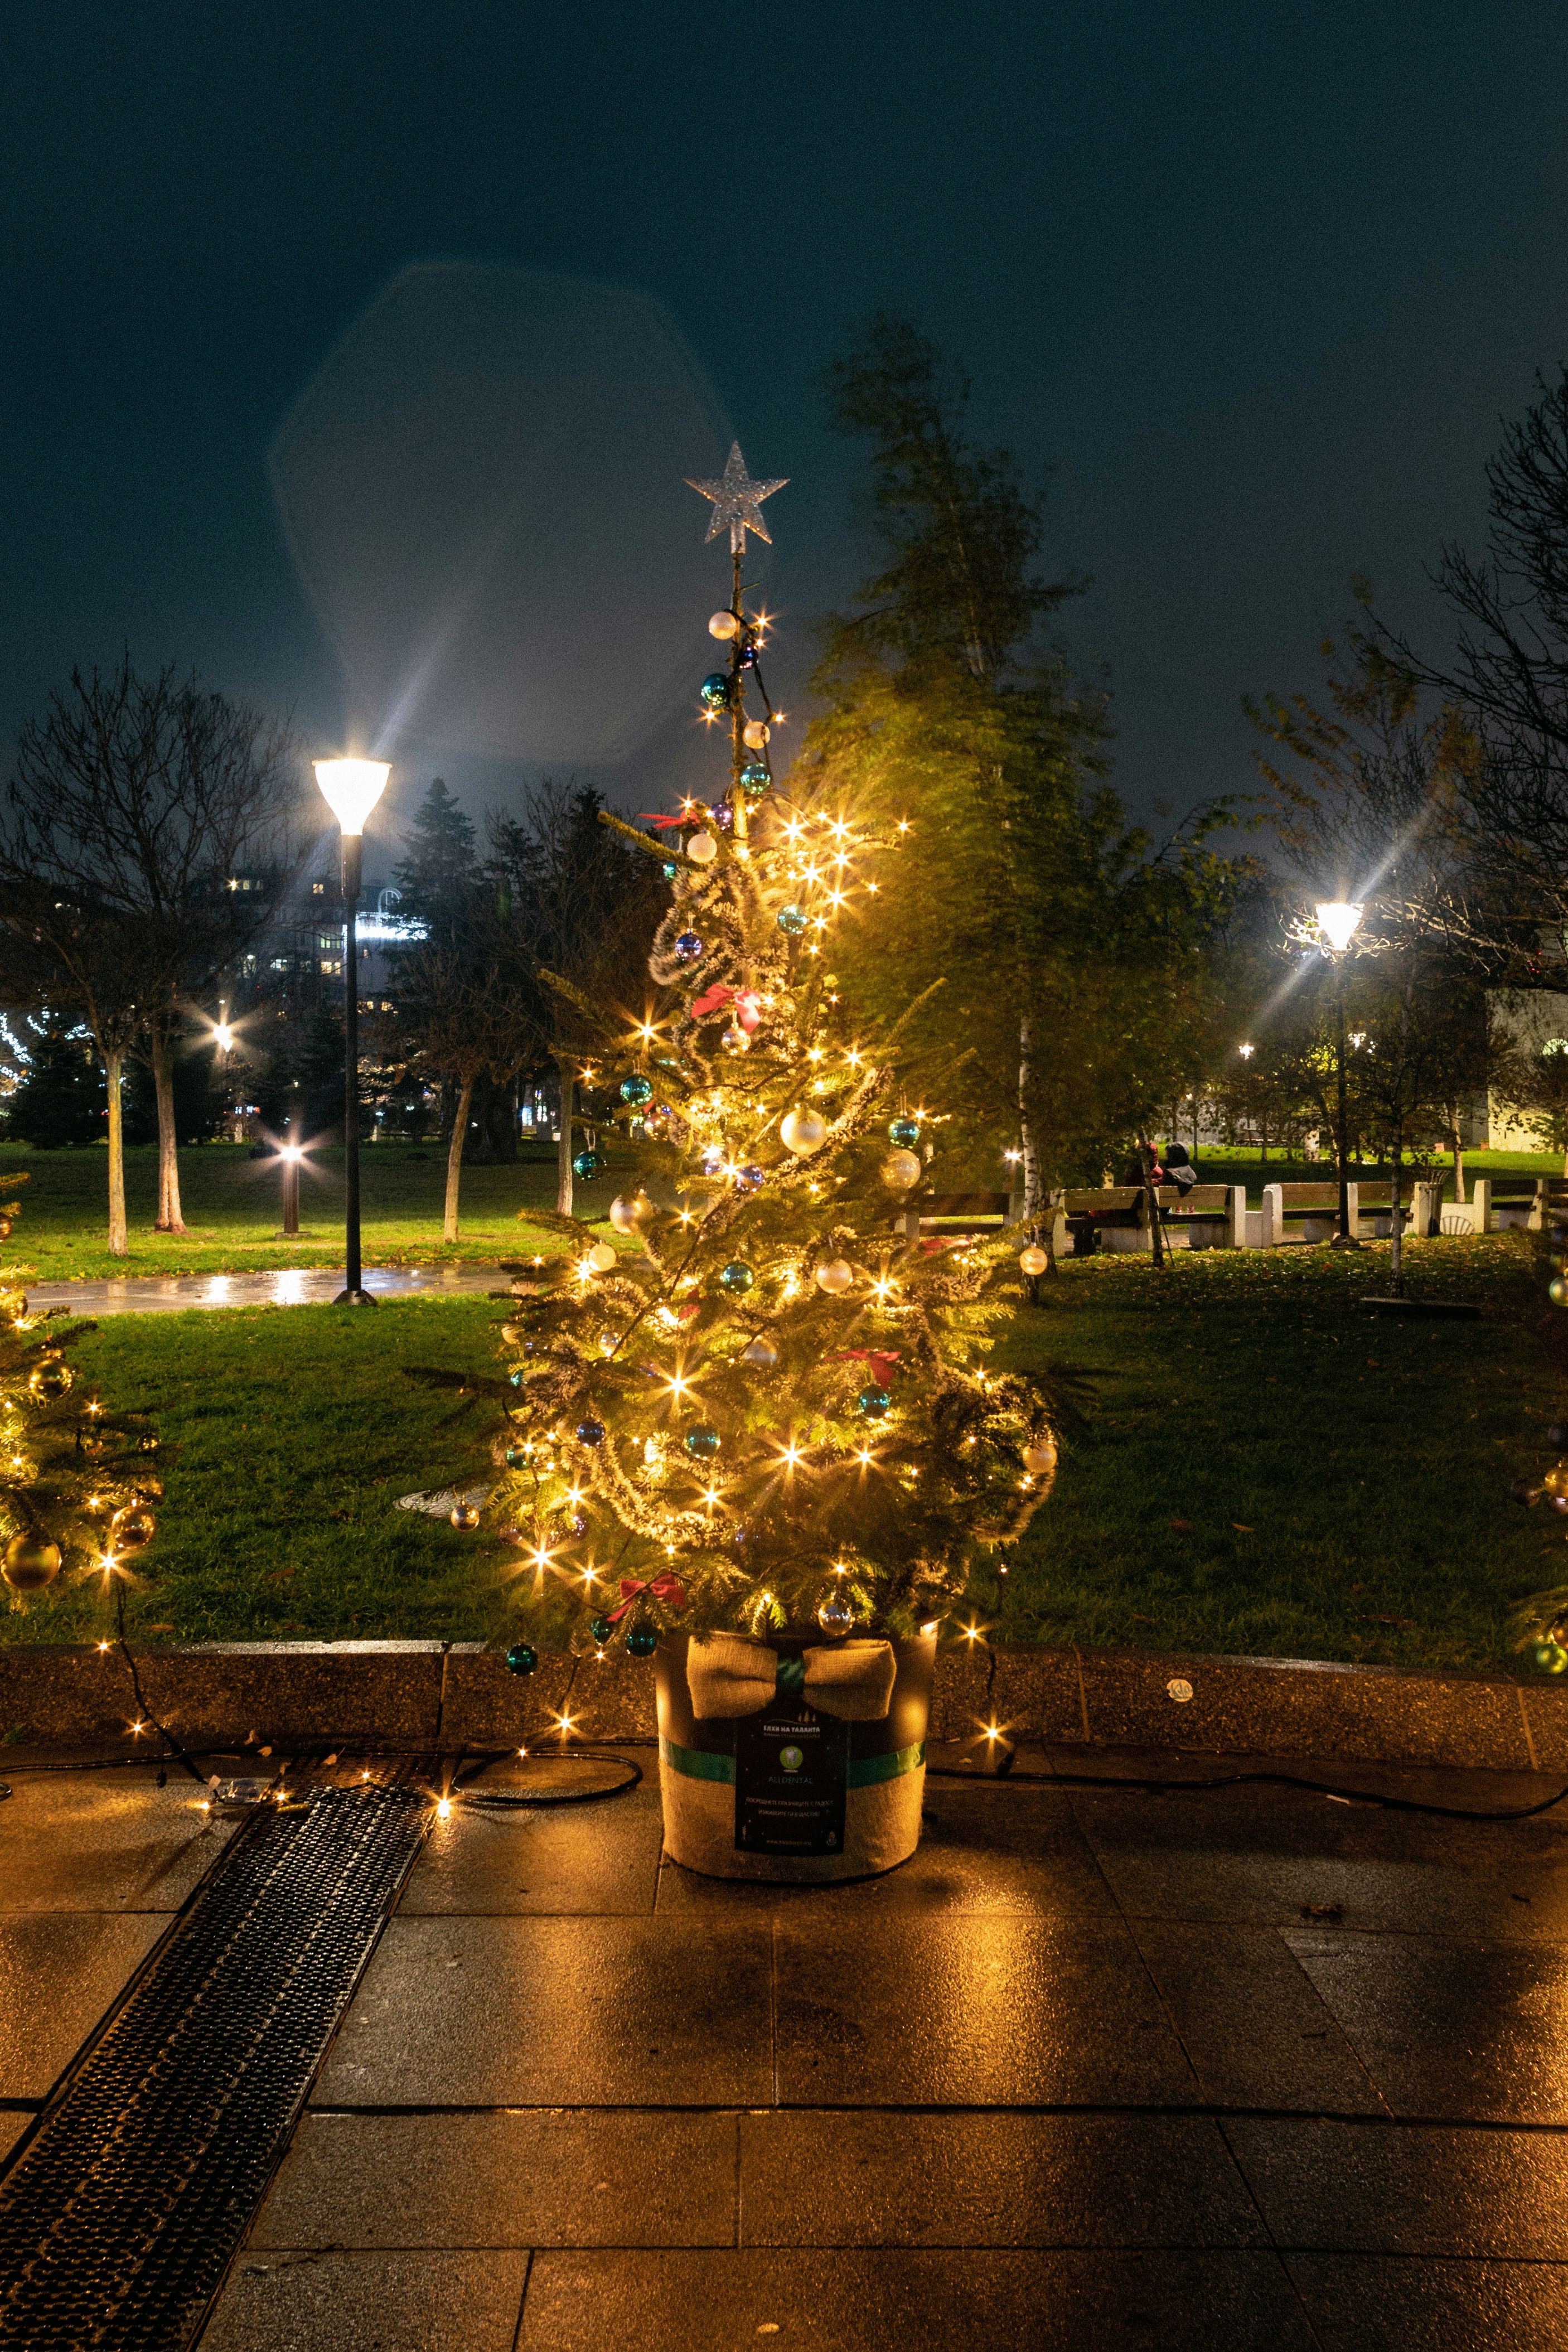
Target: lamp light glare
<point x="351" y="788"/>
<point x="1339" y="921"/>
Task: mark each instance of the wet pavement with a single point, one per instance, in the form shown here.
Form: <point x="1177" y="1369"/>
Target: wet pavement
<point x="169" y="1294"/>
<point x="1228" y="2070"/>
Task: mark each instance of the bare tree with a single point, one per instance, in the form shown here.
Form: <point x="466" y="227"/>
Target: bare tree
<point x="54" y="949"/>
<point x="469" y="1009"/>
<point x="132" y="807"/>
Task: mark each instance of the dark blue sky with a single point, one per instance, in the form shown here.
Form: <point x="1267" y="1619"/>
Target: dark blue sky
<point x="1253" y="285"/>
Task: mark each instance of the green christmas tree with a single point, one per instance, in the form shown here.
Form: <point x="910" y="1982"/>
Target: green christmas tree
<point x="75" y="1480"/>
<point x="773" y="1405"/>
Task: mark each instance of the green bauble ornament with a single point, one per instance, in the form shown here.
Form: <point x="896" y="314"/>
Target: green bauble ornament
<point x="715" y="691"/>
<point x="791" y="919"/>
<point x="521" y="1658"/>
<point x="1557" y="1290"/>
<point x="636" y="1089"/>
<point x="754" y="780"/>
<point x="587" y="1166"/>
<point x="642" y="1641"/>
<point x="702" y="1442"/>
<point x="736" y="1277"/>
<point x="1551" y="1657"/>
<point x="905" y="1131"/>
<point x="873" y="1402"/>
<point x="601" y="1629"/>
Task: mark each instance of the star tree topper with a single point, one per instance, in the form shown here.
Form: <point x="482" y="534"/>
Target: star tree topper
<point x="737" y="501"/>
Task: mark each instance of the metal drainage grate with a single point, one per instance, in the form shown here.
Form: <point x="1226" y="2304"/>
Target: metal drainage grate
<point x="118" y="2222"/>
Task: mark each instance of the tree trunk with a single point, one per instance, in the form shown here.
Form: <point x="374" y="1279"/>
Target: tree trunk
<point x="1152" y="1207"/>
<point x="455" y="1157"/>
<point x="1395" y="1236"/>
<point x="1025" y="1131"/>
<point x="169" y="1220"/>
<point x="114" y="1067"/>
<point x="1458" y="1161"/>
<point x="567" y="1068"/>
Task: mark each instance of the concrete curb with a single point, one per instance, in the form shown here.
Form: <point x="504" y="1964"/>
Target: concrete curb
<point x="407" y="1693"/>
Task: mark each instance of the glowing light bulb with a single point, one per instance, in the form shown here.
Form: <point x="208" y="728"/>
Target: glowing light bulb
<point x="443" y="1809"/>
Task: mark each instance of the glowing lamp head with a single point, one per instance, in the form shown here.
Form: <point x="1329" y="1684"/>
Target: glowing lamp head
<point x="1339" y="922"/>
<point x="223" y="1036"/>
<point x="351" y="788"/>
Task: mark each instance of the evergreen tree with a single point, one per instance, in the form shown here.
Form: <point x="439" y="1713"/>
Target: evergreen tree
<point x="776" y="1407"/>
<point x="61" y="1098"/>
<point x="439" y="870"/>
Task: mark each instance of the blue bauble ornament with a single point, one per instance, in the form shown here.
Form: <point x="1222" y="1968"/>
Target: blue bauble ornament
<point x="636" y="1090"/>
<point x="754" y="780"/>
<point x="521" y="1658"/>
<point x="736" y="1277"/>
<point x="702" y="1442"/>
<point x="576" y="1527"/>
<point x="873" y="1402"/>
<point x="722" y="815"/>
<point x="750" y="1178"/>
<point x="905" y="1131"/>
<point x="715" y="691"/>
<point x="587" y="1166"/>
<point x="749" y="649"/>
<point x="601" y="1629"/>
<point x="792" y="920"/>
<point x="642" y="1641"/>
<point x="515" y="1457"/>
<point x="515" y="1377"/>
<point x="688" y="948"/>
<point x="670" y="869"/>
<point x="590" y="1432"/>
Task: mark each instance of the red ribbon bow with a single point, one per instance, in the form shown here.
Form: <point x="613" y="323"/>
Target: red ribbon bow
<point x="747" y="1004"/>
<point x="666" y="1587"/>
<point x="881" y="1362"/>
<point x="646" y="816"/>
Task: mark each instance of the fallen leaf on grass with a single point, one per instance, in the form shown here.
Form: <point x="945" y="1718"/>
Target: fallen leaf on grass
<point x="1242" y="1530"/>
<point x="1182" y="1524"/>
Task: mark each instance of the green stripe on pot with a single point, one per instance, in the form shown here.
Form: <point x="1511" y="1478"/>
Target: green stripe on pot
<point x="864" y="1771"/>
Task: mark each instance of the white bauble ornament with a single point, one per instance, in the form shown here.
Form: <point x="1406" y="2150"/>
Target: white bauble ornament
<point x="900" y="1170"/>
<point x="836" y="1276"/>
<point x="1040" y="1456"/>
<point x="601" y="1257"/>
<point x="762" y="1353"/>
<point x="755" y="733"/>
<point x="722" y="624"/>
<point x="703" y="849"/>
<point x="1034" y="1259"/>
<point x="803" y="1132"/>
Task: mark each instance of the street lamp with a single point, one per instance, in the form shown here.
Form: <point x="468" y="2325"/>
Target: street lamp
<point x="291" y="1155"/>
<point x="352" y="789"/>
<point x="1338" y="919"/>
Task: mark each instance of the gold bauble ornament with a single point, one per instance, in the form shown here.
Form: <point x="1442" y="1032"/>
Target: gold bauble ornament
<point x="900" y="1170"/>
<point x="803" y="1132"/>
<point x="131" y="1529"/>
<point x="465" y="1515"/>
<point x="630" y="1211"/>
<point x="703" y="849"/>
<point x="735" y="1041"/>
<point x="512" y="1334"/>
<point x="1040" y="1456"/>
<point x="29" y="1563"/>
<point x="1555" y="1482"/>
<point x="601" y="1257"/>
<point x="51" y="1379"/>
<point x="836" y="1276"/>
<point x="1034" y="1259"/>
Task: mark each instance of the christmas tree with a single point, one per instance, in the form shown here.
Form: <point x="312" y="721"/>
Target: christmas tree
<point x="75" y="1480"/>
<point x="772" y="1406"/>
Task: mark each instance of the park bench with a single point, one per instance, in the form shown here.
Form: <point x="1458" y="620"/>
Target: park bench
<point x="1318" y="1208"/>
<point x="958" y="1212"/>
<point x="1115" y="1217"/>
<point x="1497" y="1203"/>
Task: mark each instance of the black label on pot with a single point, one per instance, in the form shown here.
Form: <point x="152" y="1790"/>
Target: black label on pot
<point x="791" y="1767"/>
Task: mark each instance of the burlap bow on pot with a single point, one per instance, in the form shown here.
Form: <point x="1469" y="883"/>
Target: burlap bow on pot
<point x="728" y="1674"/>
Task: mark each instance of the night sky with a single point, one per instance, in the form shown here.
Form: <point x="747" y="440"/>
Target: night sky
<point x="1251" y="286"/>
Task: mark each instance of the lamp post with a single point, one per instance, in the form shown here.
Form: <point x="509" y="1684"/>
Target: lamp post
<point x="1338" y="919"/>
<point x="352" y="789"/>
<point x="291" y="1155"/>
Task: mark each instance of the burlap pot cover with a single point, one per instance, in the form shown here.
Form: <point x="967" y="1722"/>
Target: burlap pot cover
<point x="881" y="1689"/>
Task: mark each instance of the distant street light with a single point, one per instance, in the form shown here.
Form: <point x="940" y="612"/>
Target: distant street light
<point x="1338" y="919"/>
<point x="352" y="789"/>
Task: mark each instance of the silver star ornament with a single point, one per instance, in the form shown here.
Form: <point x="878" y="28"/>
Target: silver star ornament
<point x="737" y="501"/>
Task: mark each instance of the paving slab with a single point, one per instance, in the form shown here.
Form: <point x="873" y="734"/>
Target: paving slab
<point x="109" y="1841"/>
<point x="1382" y="2303"/>
<point x="915" y="2301"/>
<point x="312" y="2302"/>
<point x="464" y="2012"/>
<point x="1254" y="2026"/>
<point x="981" y="2011"/>
<point x="1420" y="2189"/>
<point x="896" y="2179"/>
<point x="60" y="1971"/>
<point x="314" y="1286"/>
<point x="1449" y="2028"/>
<point x="601" y="1857"/>
<point x="533" y="2177"/>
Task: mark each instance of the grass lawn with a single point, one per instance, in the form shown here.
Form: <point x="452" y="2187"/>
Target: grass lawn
<point x="1271" y="1473"/>
<point x="232" y="1207"/>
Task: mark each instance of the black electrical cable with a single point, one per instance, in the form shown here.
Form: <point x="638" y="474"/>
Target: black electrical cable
<point x="1148" y="1786"/>
<point x="167" y="1736"/>
<point x="498" y="1801"/>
